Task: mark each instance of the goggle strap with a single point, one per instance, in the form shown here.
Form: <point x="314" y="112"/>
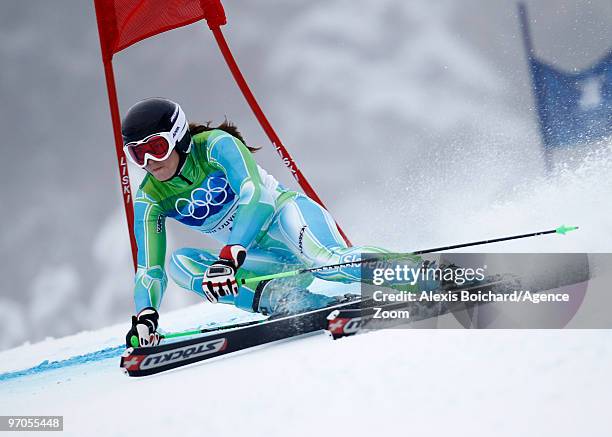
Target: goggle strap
<point x="179" y="128"/>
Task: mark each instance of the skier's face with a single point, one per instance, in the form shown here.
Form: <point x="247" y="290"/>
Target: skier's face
<point x="163" y="170"/>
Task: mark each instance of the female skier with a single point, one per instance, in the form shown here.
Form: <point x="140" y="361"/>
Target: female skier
<point x="206" y="178"/>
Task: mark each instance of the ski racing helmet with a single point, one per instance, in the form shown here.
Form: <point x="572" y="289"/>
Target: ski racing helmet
<point x="152" y="128"/>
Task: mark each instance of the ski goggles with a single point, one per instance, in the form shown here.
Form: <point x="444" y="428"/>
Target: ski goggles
<point x="158" y="146"/>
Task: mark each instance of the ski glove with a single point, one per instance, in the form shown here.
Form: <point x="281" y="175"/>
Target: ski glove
<point x="143" y="332"/>
<point x="220" y="278"/>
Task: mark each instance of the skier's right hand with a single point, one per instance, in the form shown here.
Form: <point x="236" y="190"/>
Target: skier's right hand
<point x="143" y="332"/>
<point x="220" y="278"/>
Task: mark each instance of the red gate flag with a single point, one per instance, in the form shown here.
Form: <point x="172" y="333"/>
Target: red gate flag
<point x="125" y="22"/>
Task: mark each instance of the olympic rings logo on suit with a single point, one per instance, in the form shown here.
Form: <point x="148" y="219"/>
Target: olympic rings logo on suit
<point x="198" y="207"/>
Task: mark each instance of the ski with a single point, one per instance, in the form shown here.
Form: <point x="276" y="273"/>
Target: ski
<point x="166" y="356"/>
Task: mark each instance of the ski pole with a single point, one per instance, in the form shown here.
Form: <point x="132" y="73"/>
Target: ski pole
<point x="560" y="230"/>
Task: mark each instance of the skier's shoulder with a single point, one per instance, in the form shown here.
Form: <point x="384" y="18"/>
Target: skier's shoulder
<point x="207" y="141"/>
<point x="211" y="136"/>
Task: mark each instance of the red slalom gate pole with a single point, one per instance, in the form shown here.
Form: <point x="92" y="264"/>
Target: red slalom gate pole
<point x="124" y="175"/>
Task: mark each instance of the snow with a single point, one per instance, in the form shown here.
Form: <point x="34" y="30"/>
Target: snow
<point x="502" y="383"/>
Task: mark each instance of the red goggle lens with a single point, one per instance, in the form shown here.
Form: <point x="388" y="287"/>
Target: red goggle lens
<point x="156" y="146"/>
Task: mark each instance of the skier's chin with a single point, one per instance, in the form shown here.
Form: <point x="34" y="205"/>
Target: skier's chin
<point x="164" y="170"/>
<point x="161" y="174"/>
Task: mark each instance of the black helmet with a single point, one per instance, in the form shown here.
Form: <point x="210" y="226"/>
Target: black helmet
<point x="156" y="115"/>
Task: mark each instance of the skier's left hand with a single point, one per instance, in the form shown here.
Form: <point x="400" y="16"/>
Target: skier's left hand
<point x="143" y="332"/>
<point x="220" y="278"/>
